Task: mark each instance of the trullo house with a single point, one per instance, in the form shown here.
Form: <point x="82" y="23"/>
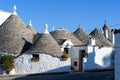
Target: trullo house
<point x="55" y="51"/>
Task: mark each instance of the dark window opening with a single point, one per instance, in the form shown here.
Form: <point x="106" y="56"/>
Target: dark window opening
<point x="72" y="68"/>
<point x="35" y="58"/>
<point x="75" y="63"/>
<point x="82" y="51"/>
<point x="66" y="50"/>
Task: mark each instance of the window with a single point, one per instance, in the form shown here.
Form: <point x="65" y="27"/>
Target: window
<point x="75" y="63"/>
<point x="82" y="51"/>
<point x="35" y="58"/>
<point x="66" y="50"/>
<point x="83" y="54"/>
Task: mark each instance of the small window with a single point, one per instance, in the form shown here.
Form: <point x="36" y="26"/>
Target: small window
<point x="75" y="63"/>
<point x="66" y="50"/>
<point x="83" y="51"/>
<point x="35" y="58"/>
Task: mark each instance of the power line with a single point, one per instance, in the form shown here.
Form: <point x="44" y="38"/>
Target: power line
<point x="115" y="25"/>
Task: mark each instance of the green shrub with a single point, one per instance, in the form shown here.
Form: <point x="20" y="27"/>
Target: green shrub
<point x="7" y="62"/>
<point x="65" y="56"/>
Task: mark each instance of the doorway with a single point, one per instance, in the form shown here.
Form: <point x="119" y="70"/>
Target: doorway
<point x="81" y="63"/>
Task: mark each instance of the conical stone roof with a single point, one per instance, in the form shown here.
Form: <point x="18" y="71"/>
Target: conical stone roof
<point x="81" y="35"/>
<point x="12" y="32"/>
<point x="36" y="37"/>
<point x="100" y="39"/>
<point x="106" y="27"/>
<point x="3" y="16"/>
<point x="47" y="44"/>
<point x="60" y="34"/>
<point x="30" y="27"/>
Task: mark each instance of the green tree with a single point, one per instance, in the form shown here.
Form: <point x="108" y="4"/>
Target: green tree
<point x="7" y="63"/>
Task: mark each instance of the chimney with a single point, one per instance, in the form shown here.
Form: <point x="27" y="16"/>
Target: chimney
<point x="106" y="33"/>
<point x="92" y="41"/>
<point x="112" y="37"/>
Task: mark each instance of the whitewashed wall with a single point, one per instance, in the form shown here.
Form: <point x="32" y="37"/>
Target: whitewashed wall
<point x="117" y="56"/>
<point x="74" y="54"/>
<point x="47" y="63"/>
<point x="97" y="57"/>
<point x="67" y="43"/>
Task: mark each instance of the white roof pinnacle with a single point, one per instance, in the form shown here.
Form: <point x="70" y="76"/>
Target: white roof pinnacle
<point x="30" y="23"/>
<point x="14" y="8"/>
<point x="46" y="29"/>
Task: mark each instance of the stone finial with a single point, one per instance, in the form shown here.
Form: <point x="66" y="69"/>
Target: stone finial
<point x="14" y="10"/>
<point x="46" y="29"/>
<point x="30" y="23"/>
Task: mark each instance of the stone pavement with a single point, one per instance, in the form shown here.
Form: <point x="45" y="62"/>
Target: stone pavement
<point x="90" y="75"/>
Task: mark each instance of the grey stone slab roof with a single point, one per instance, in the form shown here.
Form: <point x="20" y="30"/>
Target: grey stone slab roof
<point x="47" y="44"/>
<point x="100" y="39"/>
<point x="81" y="35"/>
<point x="30" y="27"/>
<point x="62" y="41"/>
<point x="12" y="32"/>
<point x="106" y="27"/>
<point x="36" y="37"/>
<point x="60" y="34"/>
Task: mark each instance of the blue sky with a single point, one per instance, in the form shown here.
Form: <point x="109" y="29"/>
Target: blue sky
<point x="66" y="14"/>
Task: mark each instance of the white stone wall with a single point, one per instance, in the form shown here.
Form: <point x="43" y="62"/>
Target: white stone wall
<point x="67" y="44"/>
<point x="46" y="63"/>
<point x="97" y="57"/>
<point x="117" y="56"/>
<point x="74" y="54"/>
<point x="92" y="41"/>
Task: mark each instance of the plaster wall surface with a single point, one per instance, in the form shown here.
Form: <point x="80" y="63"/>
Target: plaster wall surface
<point x="46" y="63"/>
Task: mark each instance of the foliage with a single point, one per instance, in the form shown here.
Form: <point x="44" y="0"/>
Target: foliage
<point x="7" y="62"/>
<point x="65" y="56"/>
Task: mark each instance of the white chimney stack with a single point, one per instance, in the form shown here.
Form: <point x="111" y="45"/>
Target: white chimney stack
<point x="112" y="37"/>
<point x="106" y="33"/>
<point x="14" y="8"/>
<point x="92" y="41"/>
